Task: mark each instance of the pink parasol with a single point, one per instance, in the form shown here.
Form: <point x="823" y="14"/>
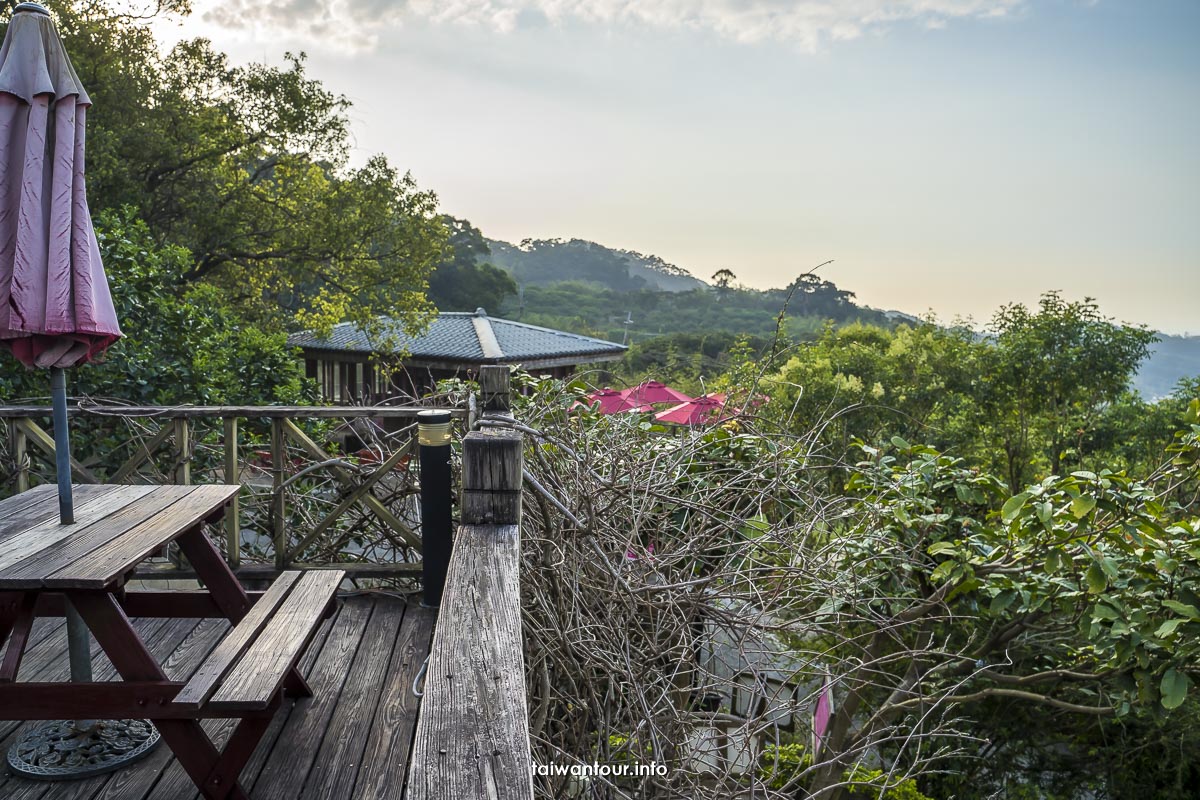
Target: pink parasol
<point x="55" y="306"/>
<point x="653" y="392"/>
<point x="699" y="411"/>
<point x="610" y="401"/>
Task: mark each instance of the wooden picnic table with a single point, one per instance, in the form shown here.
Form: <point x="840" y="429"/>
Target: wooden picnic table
<point x="44" y="565"/>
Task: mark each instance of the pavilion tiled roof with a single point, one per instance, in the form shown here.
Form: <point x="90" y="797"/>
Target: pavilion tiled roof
<point x="466" y="337"/>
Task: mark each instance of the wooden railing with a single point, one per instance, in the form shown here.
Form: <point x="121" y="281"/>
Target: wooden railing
<point x="304" y="501"/>
<point x="472" y="736"/>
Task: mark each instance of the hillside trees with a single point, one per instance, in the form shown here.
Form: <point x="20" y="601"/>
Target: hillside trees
<point x="465" y="280"/>
<point x="866" y="383"/>
<point x="1044" y="392"/>
<point x="246" y="168"/>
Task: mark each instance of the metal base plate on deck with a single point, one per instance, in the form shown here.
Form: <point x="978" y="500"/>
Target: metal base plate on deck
<point x="60" y="751"/>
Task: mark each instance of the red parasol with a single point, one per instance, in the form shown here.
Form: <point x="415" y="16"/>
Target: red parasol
<point x="700" y="411"/>
<point x="653" y="392"/>
<point x="610" y="401"/>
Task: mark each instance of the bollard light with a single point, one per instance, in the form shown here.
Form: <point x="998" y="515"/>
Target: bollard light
<point x="433" y="438"/>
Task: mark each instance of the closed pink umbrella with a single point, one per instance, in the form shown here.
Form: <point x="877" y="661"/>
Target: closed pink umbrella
<point x="699" y="411"/>
<point x="55" y="306"/>
<point x="653" y="392"/>
<point x="55" y="311"/>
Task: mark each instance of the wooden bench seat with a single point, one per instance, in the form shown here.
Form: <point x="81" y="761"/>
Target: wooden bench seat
<point x="247" y="669"/>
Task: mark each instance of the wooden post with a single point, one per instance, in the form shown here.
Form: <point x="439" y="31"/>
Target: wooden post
<point x="494" y="388"/>
<point x="278" y="450"/>
<point x="491" y="478"/>
<point x="183" y="449"/>
<point x="233" y="528"/>
<point x="20" y="450"/>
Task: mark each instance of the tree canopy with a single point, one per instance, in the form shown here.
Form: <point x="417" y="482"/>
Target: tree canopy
<point x="465" y="280"/>
<point x="247" y="167"/>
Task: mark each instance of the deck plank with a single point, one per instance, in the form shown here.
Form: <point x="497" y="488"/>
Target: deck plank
<point x="162" y="639"/>
<point x="182" y="657"/>
<point x="349" y="741"/>
<point x="385" y="759"/>
<point x="48" y="661"/>
<point x="287" y="768"/>
<point x="136" y="783"/>
<point x="340" y="755"/>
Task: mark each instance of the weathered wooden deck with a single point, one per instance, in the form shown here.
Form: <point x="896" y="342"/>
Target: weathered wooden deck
<point x="351" y="740"/>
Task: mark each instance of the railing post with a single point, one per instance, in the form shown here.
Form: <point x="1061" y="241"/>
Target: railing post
<point x="183" y="447"/>
<point x="495" y="389"/>
<point x="233" y="528"/>
<point x="278" y="450"/>
<point x="491" y="477"/>
<point x="20" y="451"/>
<point x="433" y="437"/>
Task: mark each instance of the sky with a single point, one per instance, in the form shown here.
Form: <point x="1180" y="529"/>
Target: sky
<point x="947" y="155"/>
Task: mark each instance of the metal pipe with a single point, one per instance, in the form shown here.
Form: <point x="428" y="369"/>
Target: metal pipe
<point x="79" y="644"/>
<point x="433" y="436"/>
<point x="62" y="445"/>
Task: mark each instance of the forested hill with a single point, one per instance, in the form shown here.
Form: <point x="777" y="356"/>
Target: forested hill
<point x="543" y="261"/>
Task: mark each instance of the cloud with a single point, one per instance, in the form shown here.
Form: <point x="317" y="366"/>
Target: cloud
<point x="808" y="24"/>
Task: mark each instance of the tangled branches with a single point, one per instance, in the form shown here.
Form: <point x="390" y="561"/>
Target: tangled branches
<point x="678" y="608"/>
<point x="691" y="595"/>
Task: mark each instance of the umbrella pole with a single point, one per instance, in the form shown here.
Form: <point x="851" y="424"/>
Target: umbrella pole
<point x="78" y="642"/>
<point x="62" y="445"/>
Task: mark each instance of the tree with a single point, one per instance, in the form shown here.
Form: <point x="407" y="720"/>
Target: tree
<point x="1076" y="594"/>
<point x="1048" y="378"/>
<point x="189" y="348"/>
<point x="464" y="280"/>
<point x="862" y="382"/>
<point x="723" y="278"/>
<point x="246" y="167"/>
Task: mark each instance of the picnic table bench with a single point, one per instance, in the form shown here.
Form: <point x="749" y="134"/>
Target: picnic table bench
<point x="45" y="565"/>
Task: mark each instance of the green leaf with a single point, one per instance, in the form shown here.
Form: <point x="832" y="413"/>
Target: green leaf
<point x="1191" y="612"/>
<point x="1174" y="688"/>
<point x="1012" y="507"/>
<point x="900" y="443"/>
<point x="1082" y="505"/>
<point x="1002" y="601"/>
<point x="943" y="571"/>
<point x="937" y="548"/>
<point x="1096" y="580"/>
<point x="1110" y="567"/>
<point x="1168" y="627"/>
